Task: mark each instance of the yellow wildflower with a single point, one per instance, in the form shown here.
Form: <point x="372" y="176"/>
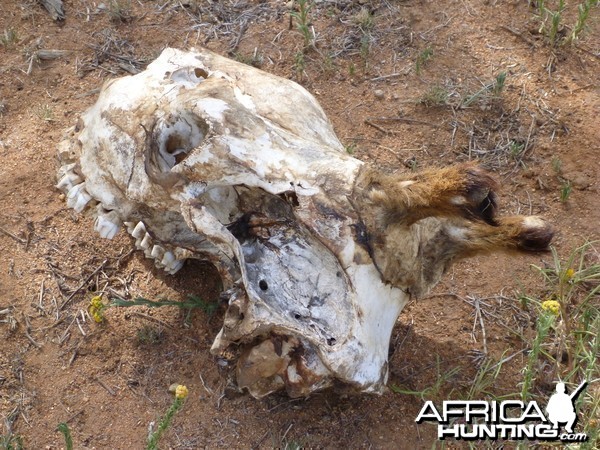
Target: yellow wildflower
<point x="551" y="306"/>
<point x="181" y="391"/>
<point x="570" y="274"/>
<point x="96" y="308"/>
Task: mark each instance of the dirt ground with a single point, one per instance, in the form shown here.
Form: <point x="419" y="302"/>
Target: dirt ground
<point x="423" y="67"/>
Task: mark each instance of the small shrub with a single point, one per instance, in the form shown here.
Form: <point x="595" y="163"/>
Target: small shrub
<point x="9" y="38"/>
<point x="437" y="95"/>
<point x="422" y="58"/>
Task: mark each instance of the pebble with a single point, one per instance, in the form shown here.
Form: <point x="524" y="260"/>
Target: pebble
<point x="378" y="93"/>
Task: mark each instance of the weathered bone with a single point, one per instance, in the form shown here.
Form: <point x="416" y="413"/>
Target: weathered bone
<point x="203" y="157"/>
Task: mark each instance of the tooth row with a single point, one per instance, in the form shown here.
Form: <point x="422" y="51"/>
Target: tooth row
<point x="107" y="223"/>
<point x="163" y="259"/>
<point x="73" y="185"/>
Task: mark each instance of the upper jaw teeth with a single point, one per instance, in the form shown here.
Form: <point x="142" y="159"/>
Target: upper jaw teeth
<point x="108" y="223"/>
<point x="163" y="259"/>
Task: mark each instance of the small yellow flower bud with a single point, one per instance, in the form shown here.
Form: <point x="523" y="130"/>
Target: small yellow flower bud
<point x="551" y="306"/>
<point x="570" y="273"/>
<point x="95" y="308"/>
<point x="181" y="391"/>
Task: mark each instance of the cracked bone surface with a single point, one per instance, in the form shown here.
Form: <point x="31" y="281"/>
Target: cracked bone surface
<point x="207" y="158"/>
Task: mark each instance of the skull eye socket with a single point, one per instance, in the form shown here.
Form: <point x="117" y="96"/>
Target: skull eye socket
<point x="174" y="138"/>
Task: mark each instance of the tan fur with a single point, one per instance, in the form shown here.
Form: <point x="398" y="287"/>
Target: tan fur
<point x="418" y="224"/>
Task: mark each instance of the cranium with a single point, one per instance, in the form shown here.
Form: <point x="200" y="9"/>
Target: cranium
<point x="207" y="158"/>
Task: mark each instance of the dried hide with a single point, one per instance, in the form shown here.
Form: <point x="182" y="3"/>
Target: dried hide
<point x="207" y="158"/>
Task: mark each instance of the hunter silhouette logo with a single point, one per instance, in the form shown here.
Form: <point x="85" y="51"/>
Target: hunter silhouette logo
<point x="508" y="419"/>
<point x="561" y="407"/>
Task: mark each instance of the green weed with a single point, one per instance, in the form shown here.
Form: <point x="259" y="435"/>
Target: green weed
<point x="350" y="148"/>
<point x="583" y="15"/>
<point x="515" y="149"/>
<point x="485" y="380"/>
<point x="181" y="394"/>
<point x="488" y="92"/>
<point x="302" y="18"/>
<point x="293" y="445"/>
<point x="45" y="113"/>
<point x="299" y="64"/>
<point x="437" y="95"/>
<point x="572" y="298"/>
<point x="351" y="69"/>
<point x="544" y="323"/>
<point x="365" y="20"/>
<point x="565" y="191"/>
<point x="556" y="165"/>
<point x="365" y="48"/>
<point x="328" y="63"/>
<point x="422" y="58"/>
<point x="551" y="21"/>
<point x="64" y="429"/>
<point x="11" y="442"/>
<point x="191" y="303"/>
<point x="9" y="38"/>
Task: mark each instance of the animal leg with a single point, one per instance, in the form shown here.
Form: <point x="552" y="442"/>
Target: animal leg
<point x="464" y="190"/>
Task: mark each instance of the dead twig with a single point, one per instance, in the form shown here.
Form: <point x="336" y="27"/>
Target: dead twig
<point x="108" y="389"/>
<point x="82" y="285"/>
<point x="518" y="34"/>
<point x="206" y="388"/>
<point x="27" y="330"/>
<point x="401" y="119"/>
<point x="481" y="324"/>
<point x="406" y="71"/>
<point x="9" y="234"/>
<point x="377" y="127"/>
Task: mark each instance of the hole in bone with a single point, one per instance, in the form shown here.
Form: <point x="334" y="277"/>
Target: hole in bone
<point x="175" y="137"/>
<point x="262" y="284"/>
<point x="200" y="73"/>
<point x="290" y="197"/>
<point x="175" y="146"/>
<point x="331" y="341"/>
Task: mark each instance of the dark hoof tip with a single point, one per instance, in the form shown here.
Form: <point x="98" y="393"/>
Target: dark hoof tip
<point x="535" y="235"/>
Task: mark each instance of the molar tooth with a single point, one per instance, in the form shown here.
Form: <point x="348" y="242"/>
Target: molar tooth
<point x="168" y="258"/>
<point x="174" y="268"/>
<point x="139" y="231"/>
<point x="158" y="253"/>
<point x="171" y="263"/>
<point x="67" y="168"/>
<point x="69" y="180"/>
<point x="78" y="197"/>
<point x="106" y="227"/>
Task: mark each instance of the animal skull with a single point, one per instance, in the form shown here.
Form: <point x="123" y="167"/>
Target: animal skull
<point x="207" y="158"/>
